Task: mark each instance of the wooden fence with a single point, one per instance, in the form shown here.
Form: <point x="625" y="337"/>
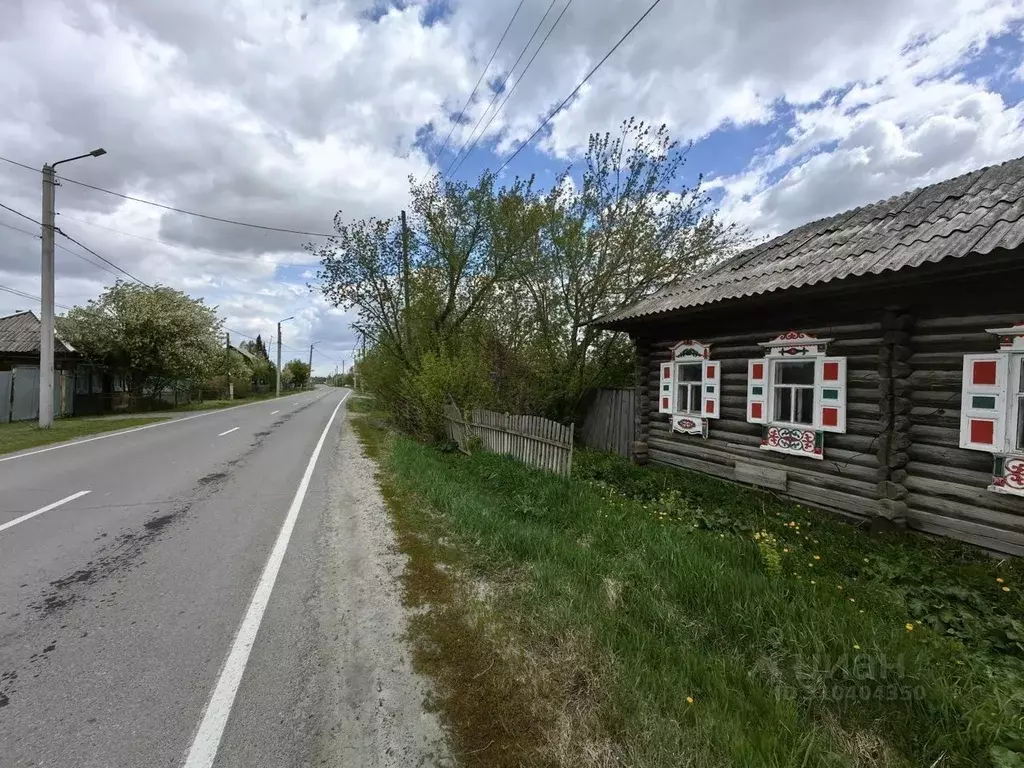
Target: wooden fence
<point x="536" y="441"/>
<point x="608" y="423"/>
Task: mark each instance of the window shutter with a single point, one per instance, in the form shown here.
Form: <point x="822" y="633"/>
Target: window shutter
<point x="830" y="394"/>
<point x="757" y="391"/>
<point x="666" y="393"/>
<point x="711" y="393"/>
<point x="983" y="403"/>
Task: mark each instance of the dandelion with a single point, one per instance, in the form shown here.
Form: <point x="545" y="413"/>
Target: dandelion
<point x="862" y="610"/>
<point x="817" y="557"/>
<point x="852" y="600"/>
<point x="856" y="647"/>
<point x="865" y="560"/>
<point x="840" y="586"/>
<point x="689" y="699"/>
<point x="909" y="626"/>
<point x="784" y="549"/>
<point x="1006" y="589"/>
<point x="813" y="581"/>
<point x="999" y="580"/>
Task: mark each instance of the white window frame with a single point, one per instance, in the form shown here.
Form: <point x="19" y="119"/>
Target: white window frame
<point x="1016" y="397"/>
<point x="772" y="391"/>
<point x="697" y="384"/>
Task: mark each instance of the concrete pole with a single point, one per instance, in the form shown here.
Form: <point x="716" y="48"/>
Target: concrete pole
<point x="46" y="310"/>
<point x="309" y="382"/>
<point x="227" y="352"/>
<point x="278" y="360"/>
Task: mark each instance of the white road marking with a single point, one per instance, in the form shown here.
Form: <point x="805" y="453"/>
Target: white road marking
<point x="207" y="739"/>
<point x="117" y="432"/>
<point x="47" y="508"/>
<point x="272" y="413"/>
<point x="233" y="429"/>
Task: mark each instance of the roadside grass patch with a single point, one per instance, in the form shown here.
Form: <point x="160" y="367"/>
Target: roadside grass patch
<point x="651" y="617"/>
<point x="25" y="434"/>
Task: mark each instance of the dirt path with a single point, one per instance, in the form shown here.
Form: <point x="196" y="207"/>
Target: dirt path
<point x="376" y="713"/>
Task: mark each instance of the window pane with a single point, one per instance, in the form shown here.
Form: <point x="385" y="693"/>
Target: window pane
<point x="680" y="397"/>
<point x="1020" y="422"/>
<point x="804" y="406"/>
<point x="801" y="372"/>
<point x="1020" y="379"/>
<point x="690" y="372"/>
<point x="783" y="403"/>
<point x="695" y="397"/>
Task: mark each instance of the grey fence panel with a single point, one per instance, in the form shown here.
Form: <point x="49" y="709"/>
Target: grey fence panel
<point x="5" y="396"/>
<point x="608" y="424"/>
<point x="535" y="441"/>
<point x="25" y="402"/>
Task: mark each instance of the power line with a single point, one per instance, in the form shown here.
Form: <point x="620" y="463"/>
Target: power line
<point x="19" y="213"/>
<point x="577" y="88"/>
<point x="182" y="247"/>
<point x="513" y="88"/>
<point x="17" y="229"/>
<point x="101" y="258"/>
<point x="465" y="106"/>
<point x="172" y="208"/>
<point x="500" y="88"/>
<point x="29" y="296"/>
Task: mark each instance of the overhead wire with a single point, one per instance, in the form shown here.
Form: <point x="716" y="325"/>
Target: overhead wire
<point x="576" y="90"/>
<point x="512" y="90"/>
<point x="462" y="112"/>
<point x="501" y="87"/>
<point x="29" y="296"/>
<point x="172" y="208"/>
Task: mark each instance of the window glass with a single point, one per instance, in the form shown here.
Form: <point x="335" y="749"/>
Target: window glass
<point x="690" y="372"/>
<point x="689" y="377"/>
<point x="793" y="372"/>
<point x="1020" y="406"/>
<point x="783" y="403"/>
<point x="804" y="413"/>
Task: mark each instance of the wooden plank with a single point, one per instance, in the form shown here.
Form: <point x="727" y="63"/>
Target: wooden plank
<point x="760" y="475"/>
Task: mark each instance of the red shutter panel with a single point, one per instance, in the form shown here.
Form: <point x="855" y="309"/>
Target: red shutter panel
<point x="711" y="394"/>
<point x="983" y="403"/>
<point x="830" y="394"/>
<point x="757" y="391"/>
<point x="665" y="393"/>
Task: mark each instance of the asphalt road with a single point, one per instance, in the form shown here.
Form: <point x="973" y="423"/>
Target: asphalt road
<point x="165" y="617"/>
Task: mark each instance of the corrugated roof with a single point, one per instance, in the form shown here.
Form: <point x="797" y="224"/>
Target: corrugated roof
<point x="20" y="333"/>
<point x="974" y="213"/>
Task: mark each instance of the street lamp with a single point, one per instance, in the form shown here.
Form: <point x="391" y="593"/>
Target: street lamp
<point x="279" y="352"/>
<point x="46" y="290"/>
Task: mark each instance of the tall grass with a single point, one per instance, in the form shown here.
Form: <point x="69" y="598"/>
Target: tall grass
<point x="723" y="627"/>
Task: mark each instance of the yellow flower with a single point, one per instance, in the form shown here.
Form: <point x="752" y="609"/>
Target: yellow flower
<point x="910" y="627"/>
<point x="784" y="549"/>
<point x="840" y="586"/>
<point x="1006" y="589"/>
<point x="856" y="647"/>
<point x="862" y="610"/>
<point x="999" y="580"/>
<point x="817" y="557"/>
<point x="813" y="581"/>
<point x="852" y="600"/>
<point x="689" y="699"/>
<point x="865" y="560"/>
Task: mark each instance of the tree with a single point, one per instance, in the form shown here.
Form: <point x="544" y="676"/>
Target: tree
<point x="297" y="372"/>
<point x="151" y="336"/>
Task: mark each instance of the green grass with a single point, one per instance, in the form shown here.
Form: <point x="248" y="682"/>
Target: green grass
<point x="25" y="434"/>
<point x="615" y="596"/>
<point x="209" y="405"/>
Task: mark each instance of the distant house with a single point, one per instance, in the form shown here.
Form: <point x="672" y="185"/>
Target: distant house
<point x="870" y="363"/>
<point x="20" y="336"/>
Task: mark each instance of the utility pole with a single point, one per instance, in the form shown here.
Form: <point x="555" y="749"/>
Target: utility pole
<point x="227" y="360"/>
<point x="310" y="380"/>
<point x="278" y="391"/>
<point x="46" y="310"/>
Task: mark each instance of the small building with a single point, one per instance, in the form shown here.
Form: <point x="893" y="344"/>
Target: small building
<point x="20" y="336"/>
<point x="870" y="363"/>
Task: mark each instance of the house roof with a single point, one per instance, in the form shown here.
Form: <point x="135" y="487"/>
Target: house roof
<point x="974" y="213"/>
<point x="248" y="356"/>
<point x="20" y="333"/>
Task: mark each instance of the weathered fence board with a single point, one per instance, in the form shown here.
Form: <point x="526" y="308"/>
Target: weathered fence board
<point x="532" y="440"/>
<point x="608" y="424"/>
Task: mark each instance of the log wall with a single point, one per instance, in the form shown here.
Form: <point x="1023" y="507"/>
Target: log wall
<point x="899" y="460"/>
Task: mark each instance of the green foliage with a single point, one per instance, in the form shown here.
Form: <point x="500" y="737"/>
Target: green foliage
<point x="812" y="666"/>
<point x="152" y="336"/>
<point x="296" y="372"/>
<point x="515" y="277"/>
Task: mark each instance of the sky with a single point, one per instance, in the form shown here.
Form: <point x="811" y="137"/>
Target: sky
<point x="284" y="112"/>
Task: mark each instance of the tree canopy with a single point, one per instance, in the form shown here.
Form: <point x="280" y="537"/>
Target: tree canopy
<point x="490" y="293"/>
<point x="151" y="336"/>
<point x="297" y="372"/>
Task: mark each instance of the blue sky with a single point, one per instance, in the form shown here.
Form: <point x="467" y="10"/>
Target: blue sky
<point x="283" y="113"/>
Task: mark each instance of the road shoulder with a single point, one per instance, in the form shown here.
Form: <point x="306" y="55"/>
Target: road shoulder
<point x="377" y="708"/>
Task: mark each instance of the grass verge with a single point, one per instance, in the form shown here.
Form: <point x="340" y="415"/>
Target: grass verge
<point x="652" y="617"/>
<point x="25" y="434"/>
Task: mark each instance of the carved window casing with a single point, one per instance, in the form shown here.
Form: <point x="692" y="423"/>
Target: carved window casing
<point x="691" y="388"/>
<point x="797" y="393"/>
